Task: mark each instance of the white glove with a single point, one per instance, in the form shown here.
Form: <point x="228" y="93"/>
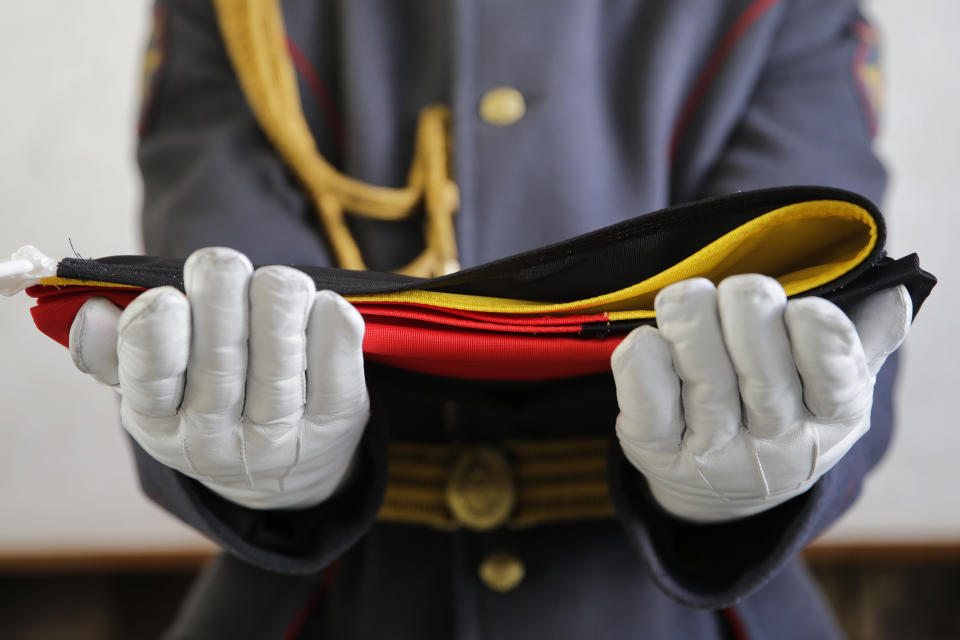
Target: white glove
<point x="741" y="400"/>
<point x="252" y="385"/>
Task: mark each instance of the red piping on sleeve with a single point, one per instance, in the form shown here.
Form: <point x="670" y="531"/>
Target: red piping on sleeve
<point x="738" y="630"/>
<point x="312" y="603"/>
<point x="709" y="73"/>
<point x="319" y="89"/>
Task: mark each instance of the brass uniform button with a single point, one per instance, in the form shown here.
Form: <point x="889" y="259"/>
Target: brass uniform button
<point x="480" y="491"/>
<point x="501" y="571"/>
<point x="502" y="106"/>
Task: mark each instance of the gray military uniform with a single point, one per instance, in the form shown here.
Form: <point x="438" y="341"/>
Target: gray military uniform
<point x="630" y="105"/>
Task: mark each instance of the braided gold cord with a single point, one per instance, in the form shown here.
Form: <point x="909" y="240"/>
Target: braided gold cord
<point x="255" y="39"/>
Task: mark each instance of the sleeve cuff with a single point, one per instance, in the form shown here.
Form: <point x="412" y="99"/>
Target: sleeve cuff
<point x="710" y="566"/>
<point x="292" y="542"/>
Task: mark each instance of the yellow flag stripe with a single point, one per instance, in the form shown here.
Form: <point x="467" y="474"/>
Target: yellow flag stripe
<point x="803" y="246"/>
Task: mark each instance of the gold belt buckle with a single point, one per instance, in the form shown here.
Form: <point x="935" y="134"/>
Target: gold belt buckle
<point x="480" y="492"/>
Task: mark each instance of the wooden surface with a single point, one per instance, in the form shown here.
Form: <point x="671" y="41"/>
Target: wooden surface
<point x="880" y="595"/>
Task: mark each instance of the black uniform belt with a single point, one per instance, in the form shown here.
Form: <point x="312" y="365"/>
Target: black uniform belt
<point x="516" y="484"/>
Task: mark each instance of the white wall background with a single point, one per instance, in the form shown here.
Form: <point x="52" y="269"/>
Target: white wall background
<point x="70" y="78"/>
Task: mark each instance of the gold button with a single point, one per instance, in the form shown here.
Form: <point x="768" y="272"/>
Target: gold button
<point x="480" y="491"/>
<point x="501" y="571"/>
<point x="502" y="106"/>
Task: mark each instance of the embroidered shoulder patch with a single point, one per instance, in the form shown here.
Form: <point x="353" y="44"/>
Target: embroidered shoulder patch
<point x="868" y="74"/>
<point x="154" y="62"/>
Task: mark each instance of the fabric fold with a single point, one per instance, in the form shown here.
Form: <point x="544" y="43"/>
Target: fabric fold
<point x="560" y="311"/>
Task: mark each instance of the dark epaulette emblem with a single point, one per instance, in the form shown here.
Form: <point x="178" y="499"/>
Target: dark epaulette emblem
<point x="868" y="74"/>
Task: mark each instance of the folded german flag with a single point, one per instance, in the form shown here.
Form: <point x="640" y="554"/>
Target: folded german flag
<point x="560" y="311"/>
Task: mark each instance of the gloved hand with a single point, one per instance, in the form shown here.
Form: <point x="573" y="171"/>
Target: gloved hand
<point x="741" y="400"/>
<point x="253" y="385"/>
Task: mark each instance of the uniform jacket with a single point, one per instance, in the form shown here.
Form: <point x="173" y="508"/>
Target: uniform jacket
<point x="631" y="105"/>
